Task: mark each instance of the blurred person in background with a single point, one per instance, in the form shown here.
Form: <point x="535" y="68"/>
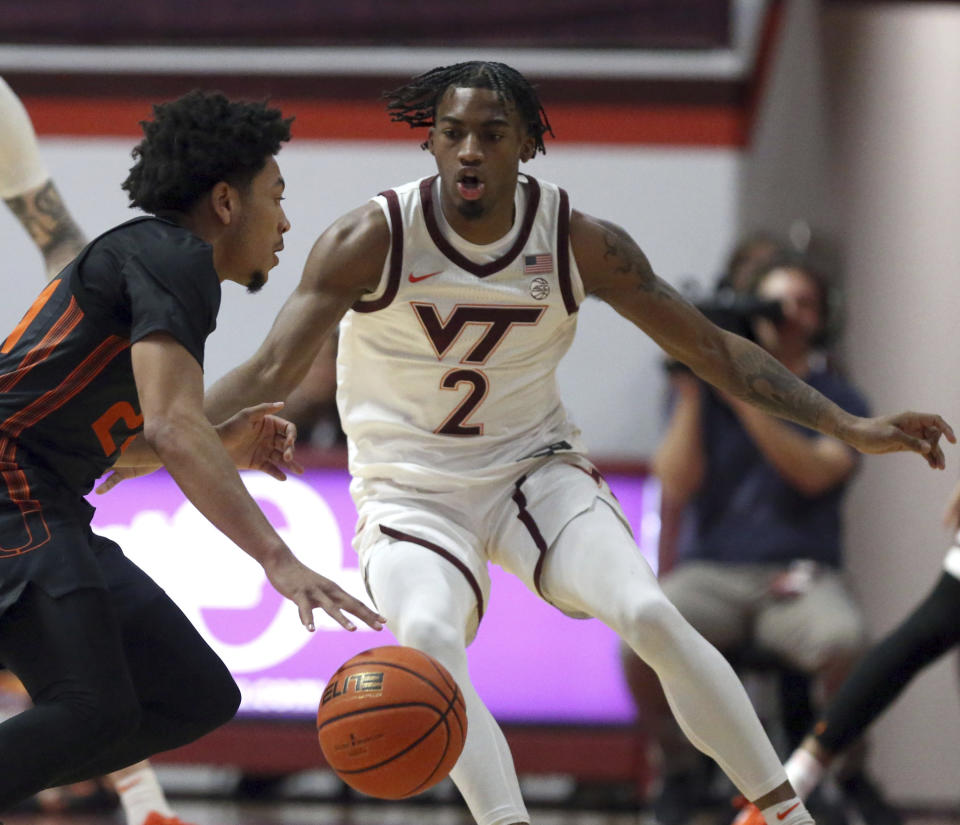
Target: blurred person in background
<point x="31" y="194"/>
<point x="929" y="631"/>
<point x="757" y="561"/>
<point x="459" y="296"/>
<point x="312" y="406"/>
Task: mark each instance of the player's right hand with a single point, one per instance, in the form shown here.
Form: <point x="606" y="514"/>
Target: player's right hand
<point x="308" y="590"/>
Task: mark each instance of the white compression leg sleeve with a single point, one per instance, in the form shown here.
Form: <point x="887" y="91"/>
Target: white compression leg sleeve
<point x="427" y="603"/>
<point x="595" y="567"/>
<point x="21" y="168"/>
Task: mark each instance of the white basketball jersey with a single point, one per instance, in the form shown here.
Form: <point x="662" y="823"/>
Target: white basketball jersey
<point x="446" y="375"/>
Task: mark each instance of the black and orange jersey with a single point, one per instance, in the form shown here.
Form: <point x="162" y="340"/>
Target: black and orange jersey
<point x="68" y="400"/>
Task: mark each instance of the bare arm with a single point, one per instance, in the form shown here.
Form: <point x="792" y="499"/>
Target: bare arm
<point x="345" y="262"/>
<point x="170" y="386"/>
<point x="679" y="461"/>
<point x="26" y="187"/>
<point x="615" y="269"/>
<point x="812" y="466"/>
<point x="51" y="227"/>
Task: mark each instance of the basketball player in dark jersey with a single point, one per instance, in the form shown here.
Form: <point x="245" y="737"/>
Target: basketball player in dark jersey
<point x="32" y="196"/>
<point x="114" y="345"/>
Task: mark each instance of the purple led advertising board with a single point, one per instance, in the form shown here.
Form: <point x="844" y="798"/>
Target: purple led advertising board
<point x="529" y="661"/>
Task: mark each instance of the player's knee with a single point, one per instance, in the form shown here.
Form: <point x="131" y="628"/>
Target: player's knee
<point x="440" y="639"/>
<point x="105" y="718"/>
<point x="216" y="703"/>
<point x="653" y="626"/>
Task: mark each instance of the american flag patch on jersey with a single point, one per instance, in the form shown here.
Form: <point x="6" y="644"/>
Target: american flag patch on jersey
<point x="537" y="263"/>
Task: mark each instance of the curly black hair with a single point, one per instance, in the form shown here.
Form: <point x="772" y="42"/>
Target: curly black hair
<point x="416" y="101"/>
<point x="195" y="142"/>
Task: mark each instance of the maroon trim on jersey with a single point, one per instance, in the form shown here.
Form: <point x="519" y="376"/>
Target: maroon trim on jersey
<point x="396" y="258"/>
<point x="526" y="517"/>
<point x="399" y="535"/>
<point x="563" y="254"/>
<point x="480" y="270"/>
<point x="18" y="489"/>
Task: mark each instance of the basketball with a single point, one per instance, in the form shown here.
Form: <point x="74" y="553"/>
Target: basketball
<point x="392" y="722"/>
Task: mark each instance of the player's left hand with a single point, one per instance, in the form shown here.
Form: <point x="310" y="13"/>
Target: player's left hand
<point x="906" y="431"/>
<point x="259" y="440"/>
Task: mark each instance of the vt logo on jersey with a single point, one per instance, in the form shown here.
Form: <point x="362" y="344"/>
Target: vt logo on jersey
<point x="498" y="320"/>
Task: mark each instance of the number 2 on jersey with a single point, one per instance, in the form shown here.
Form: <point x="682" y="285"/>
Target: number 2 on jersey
<point x="442" y="333"/>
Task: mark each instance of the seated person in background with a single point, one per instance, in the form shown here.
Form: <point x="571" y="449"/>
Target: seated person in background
<point x="930" y="630"/>
<point x="758" y="559"/>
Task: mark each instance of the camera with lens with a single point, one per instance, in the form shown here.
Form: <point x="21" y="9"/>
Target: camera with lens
<point x="736" y="311"/>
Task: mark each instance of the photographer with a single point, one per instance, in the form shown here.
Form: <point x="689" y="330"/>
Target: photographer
<point x="757" y="555"/>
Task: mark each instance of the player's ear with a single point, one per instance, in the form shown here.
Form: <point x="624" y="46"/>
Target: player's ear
<point x="528" y="149"/>
<point x="224" y="201"/>
<point x="430" y="135"/>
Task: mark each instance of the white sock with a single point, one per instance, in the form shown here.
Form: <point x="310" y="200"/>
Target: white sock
<point x="789" y="812"/>
<point x="140" y="793"/>
<point x="804" y="771"/>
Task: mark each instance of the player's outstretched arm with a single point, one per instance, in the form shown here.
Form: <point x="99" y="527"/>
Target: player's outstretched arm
<point x="170" y="385"/>
<point x="345" y="262"/>
<point x="26" y="187"/>
<point x="615" y="270"/>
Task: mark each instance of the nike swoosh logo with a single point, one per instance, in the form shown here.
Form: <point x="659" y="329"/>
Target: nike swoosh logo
<point x="414" y="278"/>
<point x="784" y="814"/>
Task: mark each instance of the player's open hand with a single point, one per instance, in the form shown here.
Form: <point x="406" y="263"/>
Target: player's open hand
<point x="906" y="431"/>
<point x="307" y="590"/>
<point x="259" y="440"/>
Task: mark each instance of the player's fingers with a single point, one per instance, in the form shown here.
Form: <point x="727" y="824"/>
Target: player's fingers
<point x="272" y="470"/>
<point x="263" y="410"/>
<point x="937" y="454"/>
<point x="108" y="483"/>
<point x="305" y="609"/>
<point x="362" y="612"/>
<point x="935" y="422"/>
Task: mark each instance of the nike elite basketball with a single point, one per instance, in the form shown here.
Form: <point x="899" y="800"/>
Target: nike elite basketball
<point x="392" y="722"/>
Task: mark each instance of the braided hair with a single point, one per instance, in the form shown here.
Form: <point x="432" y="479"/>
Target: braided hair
<point x="416" y="101"/>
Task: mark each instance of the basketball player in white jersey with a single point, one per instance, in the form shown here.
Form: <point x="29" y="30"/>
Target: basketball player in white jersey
<point x="459" y="296"/>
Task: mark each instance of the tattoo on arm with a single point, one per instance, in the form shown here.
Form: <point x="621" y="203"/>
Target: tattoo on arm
<point x="47" y="220"/>
<point x="627" y="259"/>
<point x="729" y="362"/>
<point x="770" y="386"/>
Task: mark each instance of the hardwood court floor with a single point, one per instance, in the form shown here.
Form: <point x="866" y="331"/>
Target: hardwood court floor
<point x="199" y="812"/>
